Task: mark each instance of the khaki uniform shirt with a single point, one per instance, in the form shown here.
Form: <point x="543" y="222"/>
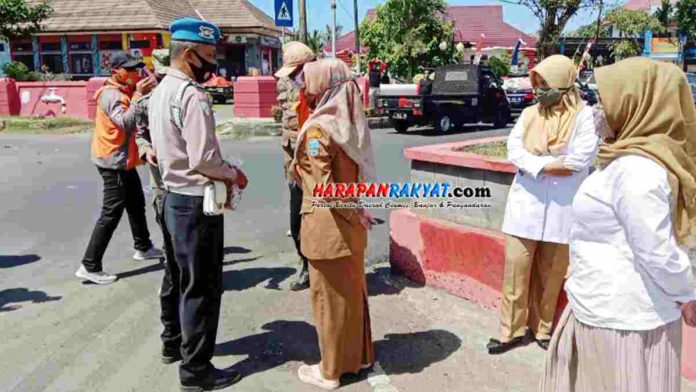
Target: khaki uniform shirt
<point x="143" y="140"/>
<point x="190" y="157"/>
<point x="288" y="96"/>
<point x="334" y="233"/>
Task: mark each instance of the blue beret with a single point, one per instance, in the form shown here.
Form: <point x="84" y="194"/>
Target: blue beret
<point x="194" y="30"/>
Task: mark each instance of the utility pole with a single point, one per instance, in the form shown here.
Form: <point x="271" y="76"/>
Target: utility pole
<point x="303" y="20"/>
<point x="333" y="28"/>
<point x="358" y="48"/>
<point x="599" y="25"/>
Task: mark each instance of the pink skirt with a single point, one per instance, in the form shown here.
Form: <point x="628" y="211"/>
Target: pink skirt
<point x="582" y="358"/>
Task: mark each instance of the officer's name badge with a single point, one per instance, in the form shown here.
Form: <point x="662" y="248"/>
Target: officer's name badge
<point x="313" y="148"/>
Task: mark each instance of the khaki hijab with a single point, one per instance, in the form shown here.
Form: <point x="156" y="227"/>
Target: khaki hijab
<point x="547" y="130"/>
<point x="650" y="108"/>
<point x="339" y="111"/>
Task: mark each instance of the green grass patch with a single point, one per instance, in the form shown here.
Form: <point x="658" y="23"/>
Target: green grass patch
<point x="493" y="149"/>
<point x="62" y="125"/>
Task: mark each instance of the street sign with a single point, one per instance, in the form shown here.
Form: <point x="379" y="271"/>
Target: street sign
<point x="283" y="13"/>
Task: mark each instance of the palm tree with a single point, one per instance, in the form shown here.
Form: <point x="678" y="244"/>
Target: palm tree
<point x="327" y="34"/>
<point x="315" y="41"/>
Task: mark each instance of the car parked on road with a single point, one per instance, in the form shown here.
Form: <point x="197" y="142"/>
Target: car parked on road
<point x="219" y="88"/>
<point x="461" y="94"/>
<point x="691" y="77"/>
<point x="519" y="92"/>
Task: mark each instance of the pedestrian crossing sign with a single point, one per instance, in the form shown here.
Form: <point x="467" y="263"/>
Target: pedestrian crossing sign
<point x="283" y="13"/>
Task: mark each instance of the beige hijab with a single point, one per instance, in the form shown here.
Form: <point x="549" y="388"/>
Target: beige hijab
<point x="547" y="130"/>
<point x="339" y="111"/>
<point x="650" y="107"/>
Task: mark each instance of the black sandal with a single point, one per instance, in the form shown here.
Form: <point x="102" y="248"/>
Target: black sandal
<point x="544" y="343"/>
<point x="496" y="347"/>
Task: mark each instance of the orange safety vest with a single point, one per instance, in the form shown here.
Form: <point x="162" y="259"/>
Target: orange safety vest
<point x="113" y="148"/>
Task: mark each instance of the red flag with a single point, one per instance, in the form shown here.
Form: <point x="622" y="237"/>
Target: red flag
<point x="479" y="49"/>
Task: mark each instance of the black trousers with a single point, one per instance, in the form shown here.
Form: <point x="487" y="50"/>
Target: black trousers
<point x="122" y="191"/>
<point x="296" y="219"/>
<point x="192" y="284"/>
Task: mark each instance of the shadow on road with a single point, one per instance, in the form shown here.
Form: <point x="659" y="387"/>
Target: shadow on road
<point x="16" y="261"/>
<point x="239" y="261"/>
<point x="22" y="295"/>
<point x="235" y="250"/>
<point x="142" y="271"/>
<point x="238" y="280"/>
<point x="382" y="282"/>
<point x="287" y="341"/>
<point x="284" y="341"/>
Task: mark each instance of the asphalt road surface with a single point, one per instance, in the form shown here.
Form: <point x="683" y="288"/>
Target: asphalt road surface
<point x="62" y="335"/>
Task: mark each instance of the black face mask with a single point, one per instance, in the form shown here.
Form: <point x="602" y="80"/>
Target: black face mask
<point x="203" y="73"/>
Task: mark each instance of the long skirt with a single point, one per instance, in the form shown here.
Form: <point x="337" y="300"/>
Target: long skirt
<point x="341" y="315"/>
<point x="582" y="358"/>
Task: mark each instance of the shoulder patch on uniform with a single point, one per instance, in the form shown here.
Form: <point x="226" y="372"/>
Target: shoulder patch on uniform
<point x="313" y="148"/>
<point x="205" y="106"/>
<point x="314" y="133"/>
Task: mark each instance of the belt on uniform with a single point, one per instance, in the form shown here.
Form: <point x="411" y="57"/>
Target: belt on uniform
<point x="196" y="190"/>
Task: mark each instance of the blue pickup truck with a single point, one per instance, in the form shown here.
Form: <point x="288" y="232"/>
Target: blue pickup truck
<point x="692" y="81"/>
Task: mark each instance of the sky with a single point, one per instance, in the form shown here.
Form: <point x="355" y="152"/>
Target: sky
<point x="319" y="13"/>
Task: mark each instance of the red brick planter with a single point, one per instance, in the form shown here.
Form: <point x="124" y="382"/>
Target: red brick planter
<point x="463" y="251"/>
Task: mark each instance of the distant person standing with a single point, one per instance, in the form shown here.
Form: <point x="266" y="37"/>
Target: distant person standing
<point x="115" y="153"/>
<point x="182" y="127"/>
<point x="160" y="60"/>
<point x="295" y="56"/>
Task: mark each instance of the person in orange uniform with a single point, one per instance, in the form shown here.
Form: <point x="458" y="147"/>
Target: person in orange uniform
<point x="334" y="147"/>
<point x="115" y="153"/>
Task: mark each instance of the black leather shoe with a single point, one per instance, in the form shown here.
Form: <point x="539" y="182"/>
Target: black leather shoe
<point x="301" y="283"/>
<point x="216" y="379"/>
<point x="496" y="347"/>
<point x="543" y="343"/>
<point x="170" y="356"/>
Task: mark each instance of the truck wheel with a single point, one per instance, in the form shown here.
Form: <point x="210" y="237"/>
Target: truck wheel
<point x="501" y="119"/>
<point x="443" y="123"/>
<point x="221" y="100"/>
<point x="400" y="126"/>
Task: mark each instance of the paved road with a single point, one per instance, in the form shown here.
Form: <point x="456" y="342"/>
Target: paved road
<point x="61" y="335"/>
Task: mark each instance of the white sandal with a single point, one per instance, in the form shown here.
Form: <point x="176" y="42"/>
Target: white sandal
<point x="312" y="375"/>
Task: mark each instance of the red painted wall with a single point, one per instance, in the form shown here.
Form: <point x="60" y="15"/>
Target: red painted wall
<point x="255" y="96"/>
<point x="9" y="99"/>
<point x="74" y="94"/>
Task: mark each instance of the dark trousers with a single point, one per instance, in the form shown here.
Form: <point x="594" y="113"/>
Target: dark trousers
<point x="296" y="219"/>
<point x="192" y="284"/>
<point x="122" y="191"/>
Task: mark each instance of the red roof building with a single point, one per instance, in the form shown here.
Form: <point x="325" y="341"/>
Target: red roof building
<point x="469" y="23"/>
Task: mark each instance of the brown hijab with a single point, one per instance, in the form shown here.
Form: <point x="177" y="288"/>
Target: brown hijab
<point x="339" y="111"/>
<point x="650" y="108"/>
<point x="547" y="129"/>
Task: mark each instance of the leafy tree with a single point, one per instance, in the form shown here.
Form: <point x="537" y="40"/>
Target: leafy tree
<point x="315" y="41"/>
<point x="406" y="34"/>
<point x="500" y="65"/>
<point x="632" y="24"/>
<point x="553" y="16"/>
<point x="19" y="19"/>
<point x="326" y="36"/>
<point x="590" y="31"/>
<point x="664" y="13"/>
<point x="686" y="21"/>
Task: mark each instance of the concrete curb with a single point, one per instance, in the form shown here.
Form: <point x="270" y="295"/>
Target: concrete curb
<point x="246" y="127"/>
<point x="378" y="122"/>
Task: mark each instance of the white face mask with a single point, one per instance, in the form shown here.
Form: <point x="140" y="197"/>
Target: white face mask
<point x="299" y="79"/>
<point x="602" y="127"/>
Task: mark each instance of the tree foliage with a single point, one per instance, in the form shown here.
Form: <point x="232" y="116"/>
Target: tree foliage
<point x="632" y="24"/>
<point x="500" y="65"/>
<point x="590" y="31"/>
<point x="19" y="19"/>
<point x="406" y="34"/>
<point x="665" y="13"/>
<point x="553" y="15"/>
<point x="686" y="17"/>
<point x="686" y="22"/>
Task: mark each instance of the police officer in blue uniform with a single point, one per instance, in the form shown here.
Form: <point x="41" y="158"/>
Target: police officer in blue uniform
<point x="182" y="129"/>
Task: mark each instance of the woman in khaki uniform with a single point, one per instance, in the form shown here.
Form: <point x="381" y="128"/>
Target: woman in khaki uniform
<point x="334" y="147"/>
